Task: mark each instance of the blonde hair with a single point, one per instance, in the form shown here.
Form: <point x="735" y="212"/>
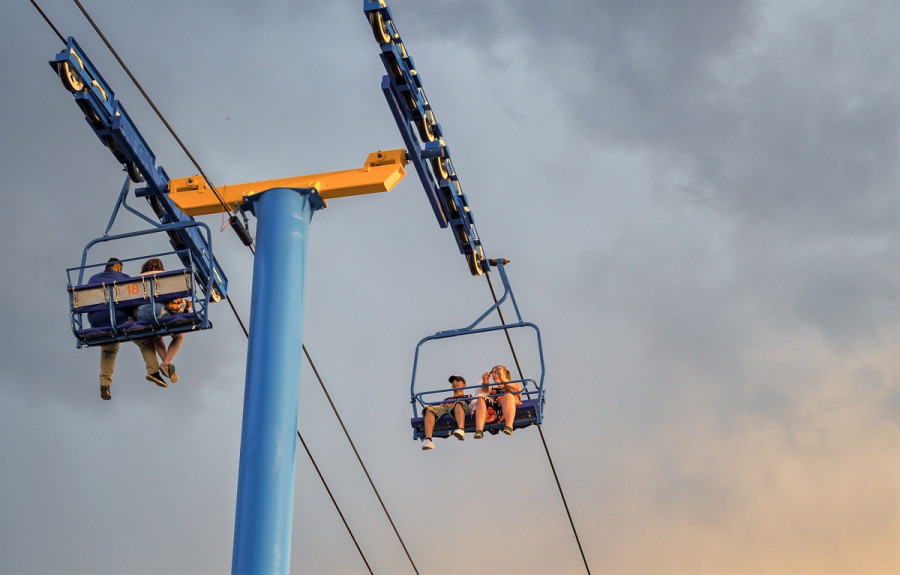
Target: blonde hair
<point x="506" y="373"/>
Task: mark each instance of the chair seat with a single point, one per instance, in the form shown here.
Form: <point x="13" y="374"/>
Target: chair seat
<point x="132" y="330"/>
<point x="526" y="414"/>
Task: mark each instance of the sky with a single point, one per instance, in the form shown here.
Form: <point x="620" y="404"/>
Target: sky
<point x="699" y="202"/>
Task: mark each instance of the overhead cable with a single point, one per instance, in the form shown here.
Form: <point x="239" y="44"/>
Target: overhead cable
<point x="541" y="431"/>
<point x="162" y="118"/>
<point x="334" y="501"/>
<point x="47" y="20"/>
<point x="358" y="458"/>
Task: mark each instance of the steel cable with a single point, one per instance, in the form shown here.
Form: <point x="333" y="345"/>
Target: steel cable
<point x="159" y="114"/>
<point x="540" y="430"/>
<point x="334" y="501"/>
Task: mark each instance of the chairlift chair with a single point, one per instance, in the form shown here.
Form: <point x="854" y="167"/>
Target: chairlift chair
<point x="529" y="412"/>
<point x="127" y="294"/>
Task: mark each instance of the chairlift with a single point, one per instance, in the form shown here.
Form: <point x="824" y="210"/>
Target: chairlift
<point x="126" y="294"/>
<point x="529" y="412"/>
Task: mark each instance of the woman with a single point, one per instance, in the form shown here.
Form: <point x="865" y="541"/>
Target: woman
<point x="147" y="312"/>
<point x="505" y="404"/>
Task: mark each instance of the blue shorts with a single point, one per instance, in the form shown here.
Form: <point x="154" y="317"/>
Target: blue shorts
<point x="145" y="312"/>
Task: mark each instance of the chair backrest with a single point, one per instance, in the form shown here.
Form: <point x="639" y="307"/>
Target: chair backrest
<point x="158" y="288"/>
<point x="127" y="294"/>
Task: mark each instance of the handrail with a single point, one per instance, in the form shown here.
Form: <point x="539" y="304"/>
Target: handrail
<point x="423" y="402"/>
<point x="161" y="228"/>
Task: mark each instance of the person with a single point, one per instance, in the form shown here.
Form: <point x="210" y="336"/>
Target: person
<point x="147" y="312"/>
<point x="109" y="352"/>
<point x="504" y="404"/>
<point x="457" y="405"/>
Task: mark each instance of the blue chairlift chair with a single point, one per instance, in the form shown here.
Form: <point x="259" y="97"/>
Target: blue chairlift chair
<point x="126" y="295"/>
<point x="530" y="411"/>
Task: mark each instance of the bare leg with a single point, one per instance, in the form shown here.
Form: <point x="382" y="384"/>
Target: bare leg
<point x="429" y="423"/>
<point x="480" y="414"/>
<point x="159" y="344"/>
<point x="508" y="404"/>
<point x="460" y="415"/>
<point x="172" y="351"/>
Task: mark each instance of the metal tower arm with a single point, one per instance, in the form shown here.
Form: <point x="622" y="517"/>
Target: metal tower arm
<point x="381" y="172"/>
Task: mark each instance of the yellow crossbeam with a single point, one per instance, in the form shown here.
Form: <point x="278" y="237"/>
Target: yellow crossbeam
<point x="381" y="172"/>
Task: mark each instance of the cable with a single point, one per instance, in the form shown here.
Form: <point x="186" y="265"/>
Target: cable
<point x="541" y="431"/>
<point x="237" y="316"/>
<point x="162" y="118"/>
<point x="334" y="501"/>
<point x="503" y="322"/>
<point x="563" y="496"/>
<point x="47" y="20"/>
<point x="313" y="461"/>
<point x="363" y="465"/>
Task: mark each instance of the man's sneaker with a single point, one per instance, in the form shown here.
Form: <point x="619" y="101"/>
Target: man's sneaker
<point x="459" y="434"/>
<point x="427" y="444"/>
<point x="104" y="392"/>
<point x="479" y="434"/>
<point x="155" y="378"/>
<point x="169" y="371"/>
<point x="508" y="430"/>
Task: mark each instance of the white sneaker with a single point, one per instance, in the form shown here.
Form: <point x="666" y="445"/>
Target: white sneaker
<point x="459" y="434"/>
<point x="427" y="444"/>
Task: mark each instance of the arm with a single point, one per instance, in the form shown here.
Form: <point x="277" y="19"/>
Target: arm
<point x="509" y="387"/>
<point x="486" y="383"/>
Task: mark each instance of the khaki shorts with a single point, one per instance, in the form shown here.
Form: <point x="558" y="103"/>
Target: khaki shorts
<point x="441" y="410"/>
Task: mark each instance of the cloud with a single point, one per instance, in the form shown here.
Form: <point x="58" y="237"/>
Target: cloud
<point x="699" y="202"/>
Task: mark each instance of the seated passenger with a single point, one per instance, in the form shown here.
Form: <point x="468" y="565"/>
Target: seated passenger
<point x="457" y="404"/>
<point x="108" y="352"/>
<point x="149" y="312"/>
<point x="504" y="405"/>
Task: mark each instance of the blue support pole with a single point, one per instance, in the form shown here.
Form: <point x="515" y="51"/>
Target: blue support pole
<point x="265" y="494"/>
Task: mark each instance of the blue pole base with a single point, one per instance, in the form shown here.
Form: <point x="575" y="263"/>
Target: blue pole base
<point x="265" y="494"/>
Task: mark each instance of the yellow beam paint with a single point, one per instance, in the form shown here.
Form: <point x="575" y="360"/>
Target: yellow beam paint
<point x="381" y="172"/>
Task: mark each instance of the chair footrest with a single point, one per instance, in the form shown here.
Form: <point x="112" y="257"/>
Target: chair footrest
<point x="527" y="413"/>
<point x="132" y="330"/>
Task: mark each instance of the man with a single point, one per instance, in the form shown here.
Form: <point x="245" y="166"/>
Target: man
<point x="457" y="404"/>
<point x="108" y="352"/>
